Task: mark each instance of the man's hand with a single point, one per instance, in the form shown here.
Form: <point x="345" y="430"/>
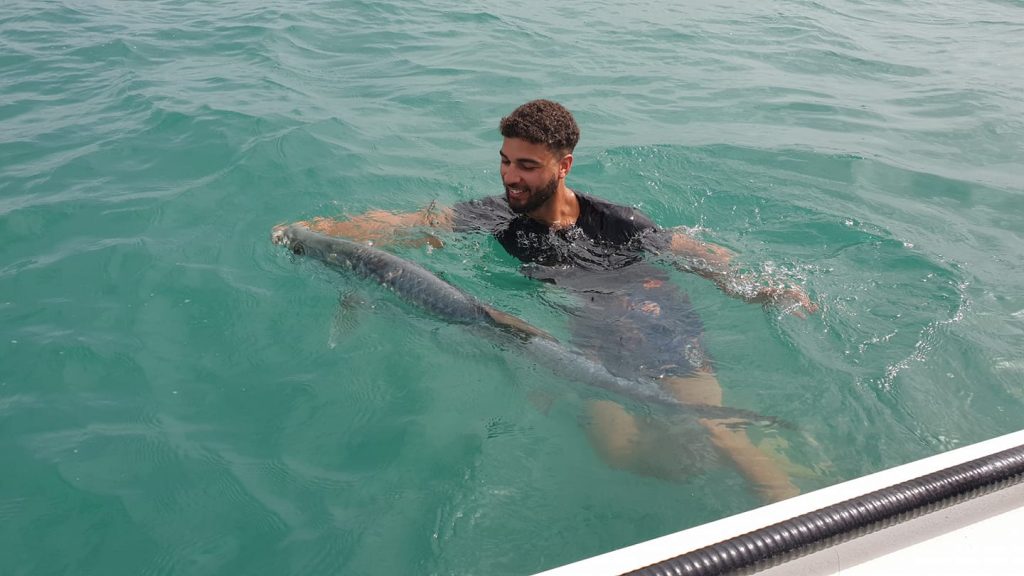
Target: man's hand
<point x="714" y="263"/>
<point x="763" y="290"/>
<point x="793" y="301"/>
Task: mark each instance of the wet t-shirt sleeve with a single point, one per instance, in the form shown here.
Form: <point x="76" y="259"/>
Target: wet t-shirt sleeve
<point x="620" y="225"/>
<point x="481" y="215"/>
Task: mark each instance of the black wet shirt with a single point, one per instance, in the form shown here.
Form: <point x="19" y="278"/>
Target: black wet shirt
<point x="605" y="237"/>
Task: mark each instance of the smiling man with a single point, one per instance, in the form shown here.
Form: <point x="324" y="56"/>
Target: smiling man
<point x="630" y="316"/>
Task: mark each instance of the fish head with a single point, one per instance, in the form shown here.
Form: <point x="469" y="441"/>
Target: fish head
<point x="284" y="235"/>
<point x="278" y="234"/>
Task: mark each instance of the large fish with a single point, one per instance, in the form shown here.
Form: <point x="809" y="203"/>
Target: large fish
<point x="421" y="287"/>
<point x="410" y="281"/>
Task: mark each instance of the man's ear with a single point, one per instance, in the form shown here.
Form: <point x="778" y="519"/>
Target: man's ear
<point x="565" y="165"/>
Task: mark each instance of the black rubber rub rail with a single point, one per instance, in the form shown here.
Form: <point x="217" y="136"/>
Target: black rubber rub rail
<point x="807" y="533"/>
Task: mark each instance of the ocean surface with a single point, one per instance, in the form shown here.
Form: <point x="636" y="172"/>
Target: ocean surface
<point x="180" y="396"/>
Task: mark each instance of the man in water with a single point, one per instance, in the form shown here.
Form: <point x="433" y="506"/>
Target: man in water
<point x="632" y="318"/>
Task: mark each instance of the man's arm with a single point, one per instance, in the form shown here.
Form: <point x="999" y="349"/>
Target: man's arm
<point x="381" y="227"/>
<point x="714" y="263"/>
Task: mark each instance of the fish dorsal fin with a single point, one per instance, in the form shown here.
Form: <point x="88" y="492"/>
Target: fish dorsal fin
<point x="518" y="325"/>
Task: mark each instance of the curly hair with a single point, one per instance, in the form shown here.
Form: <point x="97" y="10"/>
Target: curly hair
<point x="543" y="122"/>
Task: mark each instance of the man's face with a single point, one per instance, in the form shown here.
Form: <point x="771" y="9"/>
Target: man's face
<point x="531" y="174"/>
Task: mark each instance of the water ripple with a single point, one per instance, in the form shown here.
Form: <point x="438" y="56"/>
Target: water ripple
<point x="173" y="382"/>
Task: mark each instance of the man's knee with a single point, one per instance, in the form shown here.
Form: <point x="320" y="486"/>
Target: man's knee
<point x="700" y="387"/>
<point x="613" y="431"/>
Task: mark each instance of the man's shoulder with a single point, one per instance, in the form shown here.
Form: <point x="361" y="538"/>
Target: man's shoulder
<point x="486" y="202"/>
<point x="480" y="214"/>
<point x="605" y="214"/>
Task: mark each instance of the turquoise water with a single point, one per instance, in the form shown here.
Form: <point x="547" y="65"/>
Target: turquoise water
<point x="178" y="396"/>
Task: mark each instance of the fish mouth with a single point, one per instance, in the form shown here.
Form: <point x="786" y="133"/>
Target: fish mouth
<point x="277" y="234"/>
<point x="284" y="235"/>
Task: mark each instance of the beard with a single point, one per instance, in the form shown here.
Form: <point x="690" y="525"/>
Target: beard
<point x="534" y="197"/>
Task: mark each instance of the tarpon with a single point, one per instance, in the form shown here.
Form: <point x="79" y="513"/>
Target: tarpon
<point x="410" y="281"/>
<point x="421" y="287"/>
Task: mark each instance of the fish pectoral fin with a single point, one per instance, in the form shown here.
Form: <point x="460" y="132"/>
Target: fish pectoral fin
<point x="346" y="317"/>
<point x="517" y="325"/>
<point x="541" y="400"/>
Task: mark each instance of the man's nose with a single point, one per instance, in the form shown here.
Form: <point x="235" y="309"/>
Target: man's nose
<point x="510" y="176"/>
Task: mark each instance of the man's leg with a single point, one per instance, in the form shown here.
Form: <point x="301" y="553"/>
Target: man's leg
<point x="616" y="434"/>
<point x="761" y="469"/>
<point x="652" y="327"/>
